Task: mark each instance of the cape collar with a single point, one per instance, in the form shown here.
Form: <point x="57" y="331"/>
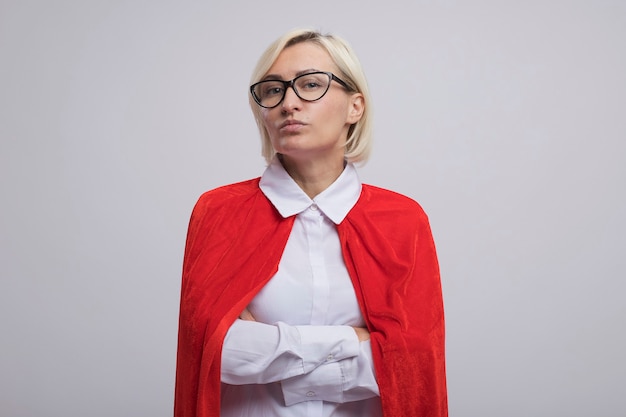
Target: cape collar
<point x="289" y="199"/>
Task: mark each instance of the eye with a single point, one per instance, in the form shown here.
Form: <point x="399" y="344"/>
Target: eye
<point x="272" y="91"/>
<point x="311" y="85"/>
<point x="269" y="89"/>
<point x="312" y="82"/>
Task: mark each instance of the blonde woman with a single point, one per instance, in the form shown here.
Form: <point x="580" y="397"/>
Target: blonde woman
<point x="305" y="292"/>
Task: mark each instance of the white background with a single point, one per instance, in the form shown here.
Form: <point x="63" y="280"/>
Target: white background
<point x="505" y="120"/>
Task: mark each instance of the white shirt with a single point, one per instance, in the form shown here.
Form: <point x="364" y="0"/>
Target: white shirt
<point x="302" y="357"/>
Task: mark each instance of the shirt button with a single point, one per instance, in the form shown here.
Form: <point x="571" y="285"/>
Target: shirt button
<point x="330" y="357"/>
<point x="310" y="394"/>
<point x="314" y="207"/>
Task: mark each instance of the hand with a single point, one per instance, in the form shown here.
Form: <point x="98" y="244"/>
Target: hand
<point x="362" y="333"/>
<point x="246" y="315"/>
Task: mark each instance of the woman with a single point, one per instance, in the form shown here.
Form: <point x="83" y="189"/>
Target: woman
<point x="306" y="293"/>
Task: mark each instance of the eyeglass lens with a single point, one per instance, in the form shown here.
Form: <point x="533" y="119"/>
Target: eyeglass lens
<point x="309" y="87"/>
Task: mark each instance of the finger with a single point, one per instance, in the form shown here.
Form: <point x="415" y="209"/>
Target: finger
<point x="362" y="333"/>
<point x="246" y="315"/>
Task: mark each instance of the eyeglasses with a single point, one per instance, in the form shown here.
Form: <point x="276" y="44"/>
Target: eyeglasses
<point x="309" y="87"/>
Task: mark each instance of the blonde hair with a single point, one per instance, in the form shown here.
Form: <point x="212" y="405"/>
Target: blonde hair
<point x="359" y="141"/>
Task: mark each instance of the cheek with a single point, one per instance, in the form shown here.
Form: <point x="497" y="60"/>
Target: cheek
<point x="340" y="107"/>
<point x="266" y="118"/>
<point x="338" y="114"/>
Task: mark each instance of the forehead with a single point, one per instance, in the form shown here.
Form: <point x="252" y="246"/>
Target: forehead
<point x="299" y="57"/>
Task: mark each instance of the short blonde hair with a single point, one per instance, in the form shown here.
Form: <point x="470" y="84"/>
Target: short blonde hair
<point x="359" y="141"/>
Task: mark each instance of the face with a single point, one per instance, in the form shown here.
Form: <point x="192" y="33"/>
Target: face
<point x="310" y="130"/>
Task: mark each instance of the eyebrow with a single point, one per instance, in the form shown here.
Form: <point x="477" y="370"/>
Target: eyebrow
<point x="299" y="73"/>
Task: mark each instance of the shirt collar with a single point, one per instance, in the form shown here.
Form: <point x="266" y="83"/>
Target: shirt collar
<point x="289" y="199"/>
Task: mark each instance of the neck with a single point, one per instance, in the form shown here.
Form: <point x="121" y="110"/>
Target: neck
<point x="313" y="176"/>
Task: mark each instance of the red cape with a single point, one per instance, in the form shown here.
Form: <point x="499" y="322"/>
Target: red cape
<point x="234" y="245"/>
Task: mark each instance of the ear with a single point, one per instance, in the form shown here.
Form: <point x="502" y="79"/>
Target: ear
<point x="356" y="109"/>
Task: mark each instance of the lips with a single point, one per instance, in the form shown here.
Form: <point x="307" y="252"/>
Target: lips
<point x="291" y="125"/>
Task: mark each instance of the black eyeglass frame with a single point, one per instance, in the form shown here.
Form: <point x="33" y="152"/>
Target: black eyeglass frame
<point x="291" y="84"/>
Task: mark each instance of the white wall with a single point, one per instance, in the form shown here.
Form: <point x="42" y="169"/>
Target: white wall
<point x="506" y="120"/>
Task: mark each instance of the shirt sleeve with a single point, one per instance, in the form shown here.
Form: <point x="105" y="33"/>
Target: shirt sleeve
<point x="350" y="379"/>
<point x="259" y="353"/>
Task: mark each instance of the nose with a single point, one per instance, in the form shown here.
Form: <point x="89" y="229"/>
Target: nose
<point x="291" y="101"/>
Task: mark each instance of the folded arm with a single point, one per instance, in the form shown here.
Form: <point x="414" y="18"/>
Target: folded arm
<point x="331" y="363"/>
